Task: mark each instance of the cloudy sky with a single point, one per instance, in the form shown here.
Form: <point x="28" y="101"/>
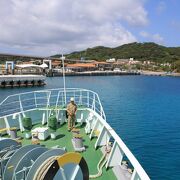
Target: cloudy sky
<point x="46" y="27"/>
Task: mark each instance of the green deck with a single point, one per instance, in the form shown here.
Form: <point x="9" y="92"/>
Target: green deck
<point x="91" y="155"/>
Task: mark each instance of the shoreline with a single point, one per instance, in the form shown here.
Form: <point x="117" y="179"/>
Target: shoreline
<point x="87" y="73"/>
<point x="162" y="73"/>
<point x="97" y="73"/>
<point x="118" y="73"/>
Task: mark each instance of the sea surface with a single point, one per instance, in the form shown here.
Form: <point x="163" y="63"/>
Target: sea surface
<point x="144" y="111"/>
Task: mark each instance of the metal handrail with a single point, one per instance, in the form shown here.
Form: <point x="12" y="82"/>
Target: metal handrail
<point x="81" y="95"/>
<point x="138" y="169"/>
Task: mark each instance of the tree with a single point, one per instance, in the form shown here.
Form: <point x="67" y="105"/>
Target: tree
<point x="177" y="65"/>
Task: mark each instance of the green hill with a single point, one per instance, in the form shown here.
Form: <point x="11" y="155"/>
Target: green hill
<point x="139" y="51"/>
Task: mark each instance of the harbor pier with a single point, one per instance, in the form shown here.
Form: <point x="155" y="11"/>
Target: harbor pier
<point x="96" y="73"/>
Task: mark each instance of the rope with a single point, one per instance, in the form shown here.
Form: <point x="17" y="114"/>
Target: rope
<point x="100" y="166"/>
<point x="42" y="170"/>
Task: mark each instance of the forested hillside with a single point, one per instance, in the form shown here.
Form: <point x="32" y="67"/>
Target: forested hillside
<point x="139" y="51"/>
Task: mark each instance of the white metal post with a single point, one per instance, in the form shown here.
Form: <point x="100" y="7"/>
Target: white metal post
<point x="35" y="99"/>
<point x="21" y="107"/>
<point x="64" y="80"/>
<point x="88" y="98"/>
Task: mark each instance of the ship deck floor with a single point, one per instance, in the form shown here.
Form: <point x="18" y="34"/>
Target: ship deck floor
<point x="91" y="155"/>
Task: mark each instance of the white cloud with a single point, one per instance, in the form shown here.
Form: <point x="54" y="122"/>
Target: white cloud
<point x="152" y="37"/>
<point x="48" y="26"/>
<point x="161" y="7"/>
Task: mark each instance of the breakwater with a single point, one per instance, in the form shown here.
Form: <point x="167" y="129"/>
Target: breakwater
<point x="21" y="80"/>
<point x="96" y="73"/>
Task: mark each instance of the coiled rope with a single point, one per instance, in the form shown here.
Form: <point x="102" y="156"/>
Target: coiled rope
<point x="42" y="170"/>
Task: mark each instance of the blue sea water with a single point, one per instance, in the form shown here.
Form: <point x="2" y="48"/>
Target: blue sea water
<point x="144" y="111"/>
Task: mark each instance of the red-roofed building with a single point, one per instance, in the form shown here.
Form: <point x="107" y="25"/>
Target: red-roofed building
<point x="80" y="67"/>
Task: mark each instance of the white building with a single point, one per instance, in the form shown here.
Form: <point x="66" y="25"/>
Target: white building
<point x="111" y="60"/>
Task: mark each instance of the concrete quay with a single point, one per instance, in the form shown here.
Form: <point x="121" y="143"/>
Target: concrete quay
<point x="96" y="73"/>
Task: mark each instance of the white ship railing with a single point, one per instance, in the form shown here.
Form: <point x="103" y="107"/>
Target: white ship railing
<point x="50" y="98"/>
<point x="55" y="99"/>
<point x="118" y="151"/>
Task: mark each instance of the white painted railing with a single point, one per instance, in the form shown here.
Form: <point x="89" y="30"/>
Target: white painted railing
<point x="119" y="149"/>
<point x="51" y="98"/>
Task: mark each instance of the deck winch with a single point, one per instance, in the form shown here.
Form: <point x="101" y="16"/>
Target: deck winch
<point x="36" y="162"/>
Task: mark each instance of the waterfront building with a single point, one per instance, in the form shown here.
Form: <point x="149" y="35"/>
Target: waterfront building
<point x="81" y="67"/>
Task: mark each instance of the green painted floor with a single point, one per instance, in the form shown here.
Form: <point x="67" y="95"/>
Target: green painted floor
<point x="91" y="155"/>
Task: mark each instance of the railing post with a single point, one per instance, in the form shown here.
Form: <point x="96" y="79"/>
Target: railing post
<point x="35" y="100"/>
<point x="48" y="98"/>
<point x="94" y="103"/>
<point x="88" y="98"/>
<point x="62" y="100"/>
<point x="57" y="99"/>
<point x="134" y="175"/>
<point x="56" y="109"/>
<point x="74" y="95"/>
<point x="21" y="107"/>
<point x="101" y="111"/>
<point x="80" y="98"/>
